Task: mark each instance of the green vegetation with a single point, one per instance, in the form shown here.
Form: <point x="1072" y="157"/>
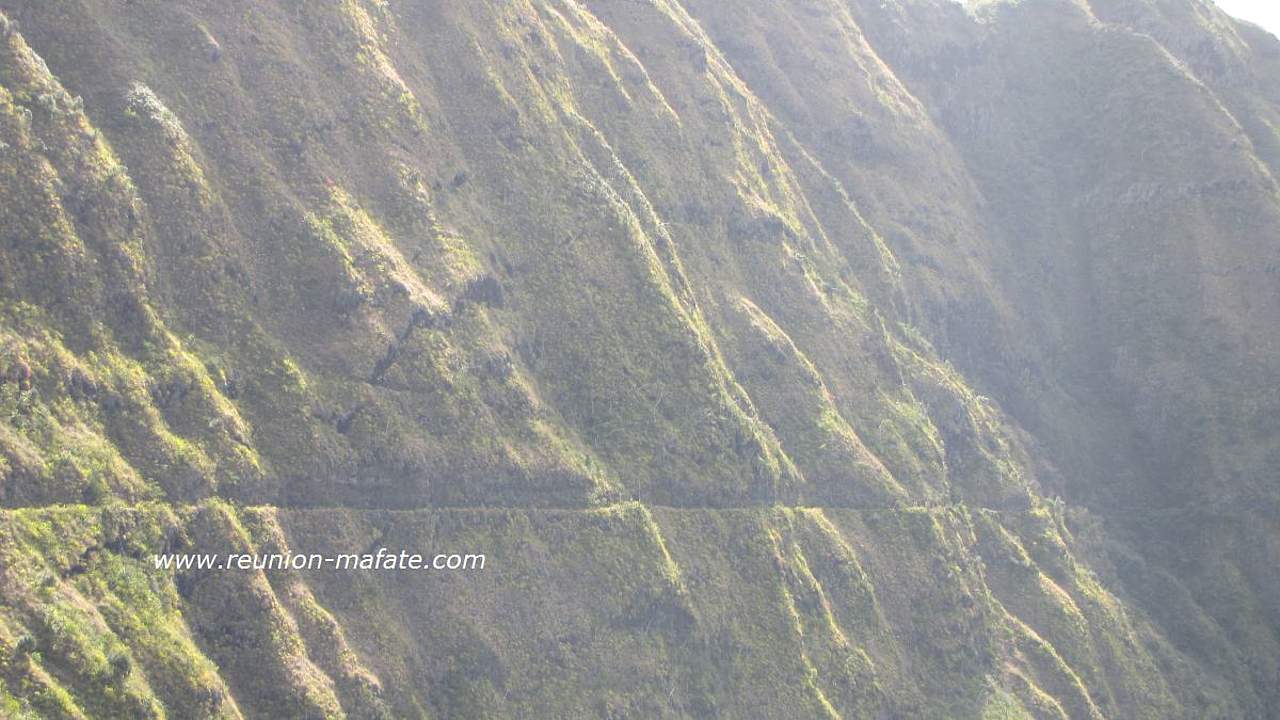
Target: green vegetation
<point x="748" y="341"/>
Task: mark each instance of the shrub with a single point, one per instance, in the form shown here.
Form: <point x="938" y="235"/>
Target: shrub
<point x="95" y="491"/>
<point x="120" y="664"/>
<point x="484" y="290"/>
<point x="25" y="645"/>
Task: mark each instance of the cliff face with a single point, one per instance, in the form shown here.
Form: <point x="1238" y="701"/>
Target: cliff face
<point x="808" y="359"/>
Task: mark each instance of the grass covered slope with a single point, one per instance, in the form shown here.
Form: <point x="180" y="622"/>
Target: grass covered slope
<point x="686" y="315"/>
<point x="619" y="611"/>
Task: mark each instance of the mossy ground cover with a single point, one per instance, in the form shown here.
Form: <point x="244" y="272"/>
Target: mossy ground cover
<point x="624" y="609"/>
<point x="680" y="312"/>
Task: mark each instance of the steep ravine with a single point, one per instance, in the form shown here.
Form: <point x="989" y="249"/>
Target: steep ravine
<point x="812" y="359"/>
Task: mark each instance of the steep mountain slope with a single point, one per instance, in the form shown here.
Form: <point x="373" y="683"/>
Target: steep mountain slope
<point x="757" y="345"/>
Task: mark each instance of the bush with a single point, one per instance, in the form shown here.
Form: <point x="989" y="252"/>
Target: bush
<point x="485" y="290"/>
<point x="120" y="664"/>
<point x="95" y="491"/>
<point x="25" y="646"/>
